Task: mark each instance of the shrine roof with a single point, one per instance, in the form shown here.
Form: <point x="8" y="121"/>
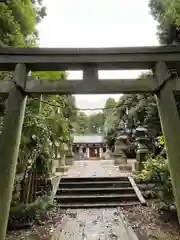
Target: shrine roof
<point x="88" y="139"/>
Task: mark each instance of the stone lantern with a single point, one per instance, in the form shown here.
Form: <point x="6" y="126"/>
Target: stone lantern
<point x="55" y="162"/>
<point x="142" y="149"/>
<point x="62" y="165"/>
<point x="121" y="145"/>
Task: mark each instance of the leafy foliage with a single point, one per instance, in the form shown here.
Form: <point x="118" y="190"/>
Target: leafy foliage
<point x="156" y="170"/>
<point x="96" y="123"/>
<point x="166" y="13"/>
<point x="55" y="75"/>
<point x="110" y="121"/>
<point x="47" y="126"/>
<point x="132" y="109"/>
<point x="82" y="126"/>
<point x="43" y="131"/>
<point x="25" y="215"/>
<point x="92" y="124"/>
<point x="172" y="11"/>
<point x="18" y="19"/>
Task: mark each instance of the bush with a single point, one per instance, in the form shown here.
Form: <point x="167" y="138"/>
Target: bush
<point x="156" y="170"/>
<point x="24" y="215"/>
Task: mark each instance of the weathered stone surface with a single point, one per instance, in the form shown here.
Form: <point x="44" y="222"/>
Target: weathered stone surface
<point x="121" y="145"/>
<point x="69" y="160"/>
<point x="118" y="160"/>
<point x="55" y="183"/>
<point x="55" y="165"/>
<point x="125" y="167"/>
<point x="108" y="155"/>
<point x="62" y="169"/>
<point x="92" y="168"/>
<point x="94" y="224"/>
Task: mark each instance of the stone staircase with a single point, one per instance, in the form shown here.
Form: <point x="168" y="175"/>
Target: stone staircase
<point x="96" y="192"/>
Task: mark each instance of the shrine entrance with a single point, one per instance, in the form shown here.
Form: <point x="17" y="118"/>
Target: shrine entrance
<point x="91" y="145"/>
<point x="163" y="61"/>
<point x="94" y="152"/>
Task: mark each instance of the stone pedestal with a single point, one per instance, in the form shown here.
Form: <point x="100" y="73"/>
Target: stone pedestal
<point x="69" y="159"/>
<point x="120" y="158"/>
<point x="81" y="154"/>
<point x="87" y="153"/>
<point x="101" y="153"/>
<point x="108" y="155"/>
<point x="69" y="156"/>
<point x="125" y="167"/>
<point x="55" y="165"/>
<point x="136" y="166"/>
<point x="62" y="167"/>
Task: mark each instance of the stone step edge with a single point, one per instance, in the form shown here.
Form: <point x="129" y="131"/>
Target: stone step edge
<point x="78" y="179"/>
<point x="96" y="189"/>
<point x="95" y="182"/>
<point x="98" y="205"/>
<point x="97" y="196"/>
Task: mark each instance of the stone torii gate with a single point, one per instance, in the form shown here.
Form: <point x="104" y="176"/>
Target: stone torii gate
<point x="164" y="85"/>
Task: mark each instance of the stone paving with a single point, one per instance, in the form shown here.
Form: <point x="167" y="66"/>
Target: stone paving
<point x="94" y="224"/>
<point x="94" y="168"/>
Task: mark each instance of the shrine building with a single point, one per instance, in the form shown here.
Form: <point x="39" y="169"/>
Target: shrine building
<point x="89" y="146"/>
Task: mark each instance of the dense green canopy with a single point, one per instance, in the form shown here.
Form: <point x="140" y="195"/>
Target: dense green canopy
<point x="49" y="119"/>
<point x="167" y="14"/>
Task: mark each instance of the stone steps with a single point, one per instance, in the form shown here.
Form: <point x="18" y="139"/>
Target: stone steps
<point x="93" y="179"/>
<point x="97" y="184"/>
<point x="103" y="198"/>
<point x="96" y="192"/>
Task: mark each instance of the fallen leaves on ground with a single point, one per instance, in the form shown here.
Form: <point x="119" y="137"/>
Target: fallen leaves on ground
<point x="149" y="224"/>
<point x="42" y="230"/>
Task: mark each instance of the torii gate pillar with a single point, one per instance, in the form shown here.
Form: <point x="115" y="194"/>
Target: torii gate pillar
<point x="10" y="141"/>
<point x="170" y="123"/>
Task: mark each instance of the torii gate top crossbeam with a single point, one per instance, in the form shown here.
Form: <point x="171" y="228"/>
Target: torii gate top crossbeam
<point x="89" y="60"/>
<point x="47" y="59"/>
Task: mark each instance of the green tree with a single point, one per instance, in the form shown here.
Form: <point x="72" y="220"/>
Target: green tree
<point x="69" y="108"/>
<point x="132" y="109"/>
<point x="110" y="121"/>
<point x="110" y="115"/>
<point x="18" y="19"/>
<point x="172" y="11"/>
<point x="43" y="132"/>
<point x="166" y="13"/>
<point x="82" y="124"/>
<point x="46" y="125"/>
<point x="55" y="75"/>
<point x="142" y="109"/>
<point x="96" y="123"/>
